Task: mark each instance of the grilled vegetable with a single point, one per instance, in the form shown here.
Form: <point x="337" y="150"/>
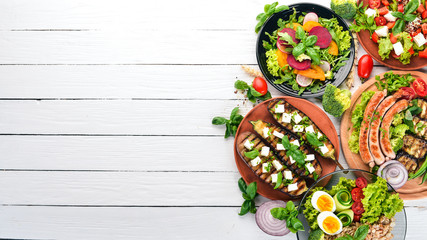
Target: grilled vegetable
<point x="266" y="167"/>
<point x="299" y="124"/>
<point x="272" y="134"/>
<point x="423" y="105"/>
<point x="420" y="127"/>
<point x="409" y="162"/>
<point x="414" y="146"/>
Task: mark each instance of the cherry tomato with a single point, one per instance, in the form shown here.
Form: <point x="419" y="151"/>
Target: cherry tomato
<point x="357" y="217"/>
<point x="411" y="50"/>
<point x="375" y="37"/>
<point x="361" y="182"/>
<point x="380" y="21"/>
<point x="364" y="68"/>
<point x="424" y="27"/>
<point x="423" y="54"/>
<point x="421" y="8"/>
<point x="420" y="87"/>
<point x="390" y="25"/>
<point x="424" y="15"/>
<point x="393" y="39"/>
<point x="374" y="3"/>
<point x="260" y="85"/>
<point x="383" y="11"/>
<point x="400" y="8"/>
<point x="357" y="208"/>
<point x="385" y="2"/>
<point x="357" y="194"/>
<point x="407" y="93"/>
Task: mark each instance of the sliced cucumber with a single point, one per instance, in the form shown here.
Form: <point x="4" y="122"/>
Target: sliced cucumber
<point x="346" y="217"/>
<point x="343" y="200"/>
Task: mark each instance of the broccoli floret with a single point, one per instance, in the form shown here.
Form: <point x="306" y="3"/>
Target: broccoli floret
<point x="345" y="8"/>
<point x="396" y="144"/>
<point x="399" y="131"/>
<point x="317" y="235"/>
<point x="398" y="119"/>
<point x="329" y="75"/>
<point x="335" y="101"/>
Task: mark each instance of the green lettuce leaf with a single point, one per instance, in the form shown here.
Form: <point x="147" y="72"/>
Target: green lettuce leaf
<point x="384" y="47"/>
<point x="272" y="63"/>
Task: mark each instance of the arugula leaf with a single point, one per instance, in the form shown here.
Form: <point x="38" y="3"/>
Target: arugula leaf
<point x="287" y="38"/>
<point x="252" y="154"/>
<point x="279" y="180"/>
<point x="313" y="140"/>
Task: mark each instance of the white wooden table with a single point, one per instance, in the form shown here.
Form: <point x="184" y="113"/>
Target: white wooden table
<point x="105" y="119"/>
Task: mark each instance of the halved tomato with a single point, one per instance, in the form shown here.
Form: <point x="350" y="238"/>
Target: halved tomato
<point x="423" y="54"/>
<point x="420" y="87"/>
<point x="375" y="37"/>
<point x="374" y="4"/>
<point x="385" y="2"/>
<point x="400" y="8"/>
<point x="424" y="27"/>
<point x="390" y="25"/>
<point x="383" y="11"/>
<point x="357" y="208"/>
<point x="393" y="39"/>
<point x="357" y="194"/>
<point x="421" y="8"/>
<point x="380" y="21"/>
<point x="408" y="93"/>
<point x="424" y="14"/>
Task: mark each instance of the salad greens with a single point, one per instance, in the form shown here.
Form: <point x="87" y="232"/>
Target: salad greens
<point x="231" y="124"/>
<point x="384" y="47"/>
<point x="269" y="9"/>
<point x="362" y="21"/>
<point x="249" y="192"/>
<point x="356" y="119"/>
<point x="379" y="201"/>
<point x="360" y="234"/>
<point x="290" y="214"/>
<point x="392" y="82"/>
<point x="407" y="16"/>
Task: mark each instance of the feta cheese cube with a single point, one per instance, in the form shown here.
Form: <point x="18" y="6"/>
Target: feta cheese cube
<point x="256" y="161"/>
<point x="265" y="168"/>
<point x="324" y="149"/>
<point x="309" y="129"/>
<point x="280" y="147"/>
<point x="287" y="174"/>
<point x="390" y="17"/>
<point x="286" y="117"/>
<point x="277" y="134"/>
<point x="295" y="142"/>
<point x="319" y="135"/>
<point x="382" y="31"/>
<point x="291" y="160"/>
<point x="248" y="145"/>
<point x="266" y="132"/>
<point x="279" y="108"/>
<point x="398" y="48"/>
<point x="310" y="167"/>
<point x="296" y="117"/>
<point x="265" y="151"/>
<point x="370" y="12"/>
<point x="309" y="157"/>
<point x="298" y="128"/>
<point x="293" y="187"/>
<point x="274" y="178"/>
<point x="277" y="165"/>
<point x="419" y="39"/>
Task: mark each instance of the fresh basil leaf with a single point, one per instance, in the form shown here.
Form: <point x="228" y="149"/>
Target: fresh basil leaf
<point x="254" y="92"/>
<point x="267" y="7"/>
<point x="252" y="154"/>
<point x="299" y="49"/>
<point x="251" y="190"/>
<point x="297" y="224"/>
<point x="246" y="196"/>
<point x="260" y="16"/>
<point x="245" y="207"/>
<point x="252" y="207"/>
<point x="279" y="213"/>
<point x="272" y="8"/>
<point x="408" y="115"/>
<point x="265" y="96"/>
<point x="242" y="185"/>
<point x="259" y="26"/>
<point x="410" y="124"/>
<point x="398" y="27"/>
<point x="311" y="40"/>
<point x="241" y="85"/>
<point x="285" y="142"/>
<point x="219" y="121"/>
<point x="297" y="155"/>
<point x="227" y="129"/>
<point x="314" y="55"/>
<point x="313" y="140"/>
<point x="237" y="120"/>
<point x="409" y="17"/>
<point x="300" y="33"/>
<point x="281" y="8"/>
<point x="346" y="237"/>
<point x="279" y="180"/>
<point x="234" y="112"/>
<point x="233" y="130"/>
<point x="250" y="96"/>
<point x="415" y="110"/>
<point x="290" y="206"/>
<point x="361" y="232"/>
<point x="397" y="14"/>
<point x="287" y="38"/>
<point x="411" y="6"/>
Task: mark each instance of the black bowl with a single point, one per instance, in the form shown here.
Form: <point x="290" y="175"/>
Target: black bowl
<point x="271" y="25"/>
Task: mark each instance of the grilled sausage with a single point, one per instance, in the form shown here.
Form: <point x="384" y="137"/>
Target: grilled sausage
<point x="385" y="127"/>
<point x="365" y="153"/>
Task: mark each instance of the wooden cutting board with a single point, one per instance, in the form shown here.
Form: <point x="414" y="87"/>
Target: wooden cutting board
<point x="412" y="190"/>
<point x="260" y="112"/>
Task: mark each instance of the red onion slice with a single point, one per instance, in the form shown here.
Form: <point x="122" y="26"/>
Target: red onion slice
<point x="394" y="172"/>
<point x="267" y="223"/>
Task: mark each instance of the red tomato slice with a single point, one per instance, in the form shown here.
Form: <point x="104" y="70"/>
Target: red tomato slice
<point x="408" y="93"/>
<point x="423" y="54"/>
<point x="357" y="194"/>
<point x="424" y="27"/>
<point x="383" y="11"/>
<point x="411" y="50"/>
<point x="380" y="21"/>
<point x="361" y="182"/>
<point x="374" y="37"/>
<point x="390" y="25"/>
<point x="420" y="87"/>
<point x="400" y="8"/>
<point x="424" y="14"/>
<point x="374" y="3"/>
<point x="421" y="8"/>
<point x="357" y="217"/>
<point x="393" y="39"/>
<point x="260" y="85"/>
<point x="357" y="208"/>
<point x="385" y="2"/>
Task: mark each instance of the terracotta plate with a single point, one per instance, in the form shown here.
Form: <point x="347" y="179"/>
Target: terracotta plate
<point x="412" y="189"/>
<point x="372" y="49"/>
<point x="260" y="112"/>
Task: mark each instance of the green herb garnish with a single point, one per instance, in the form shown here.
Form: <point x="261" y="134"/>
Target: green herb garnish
<point x="231" y="124"/>
<point x="249" y="192"/>
<point x="269" y="9"/>
<point x="290" y="215"/>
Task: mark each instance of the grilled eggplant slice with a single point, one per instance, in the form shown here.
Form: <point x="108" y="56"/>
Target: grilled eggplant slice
<point x="266" y="167"/>
<point x="408" y="161"/>
<point x="415" y="147"/>
<point x="423" y="105"/>
<point x="420" y="127"/>
<point x="295" y="121"/>
<point x="270" y="133"/>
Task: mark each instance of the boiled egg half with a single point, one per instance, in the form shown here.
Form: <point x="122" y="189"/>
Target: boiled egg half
<point x="329" y="223"/>
<point x="322" y="202"/>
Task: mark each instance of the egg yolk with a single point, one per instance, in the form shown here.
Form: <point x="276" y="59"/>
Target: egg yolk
<point x="325" y="203"/>
<point x="331" y="225"/>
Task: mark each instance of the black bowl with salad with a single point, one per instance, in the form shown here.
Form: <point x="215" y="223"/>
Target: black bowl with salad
<point x="302" y="49"/>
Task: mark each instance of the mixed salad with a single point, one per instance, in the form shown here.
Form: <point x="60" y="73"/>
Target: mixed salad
<point x="306" y="50"/>
<point x="399" y="27"/>
<point x="336" y="213"/>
